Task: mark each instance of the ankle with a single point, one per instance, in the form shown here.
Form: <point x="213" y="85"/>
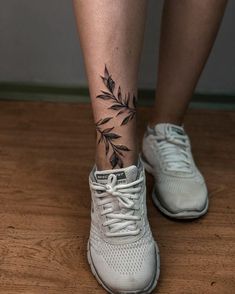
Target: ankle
<point x="165" y="120"/>
<point x="115" y="161"/>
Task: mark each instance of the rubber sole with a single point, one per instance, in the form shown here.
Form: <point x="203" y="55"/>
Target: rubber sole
<point x="147" y="290"/>
<point x="187" y="214"/>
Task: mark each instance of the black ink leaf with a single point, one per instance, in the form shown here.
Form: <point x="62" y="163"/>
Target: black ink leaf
<point x="106" y="147"/>
<point x="106" y="73"/>
<point x="133" y="114"/>
<point x="103" y="121"/>
<point x="118" y="151"/>
<point x="97" y="123"/>
<point x="120" y="162"/>
<point x="116" y="106"/>
<point x="122" y="147"/>
<point x="104" y="80"/>
<point x="105" y="131"/>
<point x="120" y="112"/>
<point x="119" y="96"/>
<point x="126" y="120"/>
<point x="112" y="136"/>
<point x="110" y="84"/>
<point x="108" y="81"/>
<point x="104" y="96"/>
<point x="114" y="159"/>
<point x="100" y="140"/>
<point x="107" y="93"/>
<point x="128" y="100"/>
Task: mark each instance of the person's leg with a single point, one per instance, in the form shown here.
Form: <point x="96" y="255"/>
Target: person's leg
<point x="111" y="35"/>
<point x="189" y="28"/>
<point x="121" y="250"/>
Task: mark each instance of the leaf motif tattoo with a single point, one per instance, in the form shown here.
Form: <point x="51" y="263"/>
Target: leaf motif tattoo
<point x="121" y="103"/>
<point x="108" y="137"/>
<point x="124" y="105"/>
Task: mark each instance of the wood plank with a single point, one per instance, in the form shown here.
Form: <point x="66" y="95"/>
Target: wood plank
<point x="46" y="153"/>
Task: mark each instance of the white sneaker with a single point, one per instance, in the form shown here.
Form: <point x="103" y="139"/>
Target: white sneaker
<point x="121" y="250"/>
<point x="180" y="190"/>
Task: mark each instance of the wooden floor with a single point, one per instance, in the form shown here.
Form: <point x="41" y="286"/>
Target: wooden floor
<point x="46" y="153"/>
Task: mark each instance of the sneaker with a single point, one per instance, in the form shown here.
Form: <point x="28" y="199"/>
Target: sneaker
<point x="122" y="253"/>
<point x="180" y="190"/>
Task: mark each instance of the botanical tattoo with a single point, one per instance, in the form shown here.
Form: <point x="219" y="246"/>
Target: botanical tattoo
<point x="124" y="105"/>
<point x="121" y="103"/>
<point x="108" y="138"/>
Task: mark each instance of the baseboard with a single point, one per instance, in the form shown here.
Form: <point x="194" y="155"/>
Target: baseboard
<point x="55" y="93"/>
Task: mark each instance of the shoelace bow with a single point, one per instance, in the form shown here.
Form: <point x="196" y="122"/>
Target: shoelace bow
<point x="173" y="149"/>
<point x="123" y="222"/>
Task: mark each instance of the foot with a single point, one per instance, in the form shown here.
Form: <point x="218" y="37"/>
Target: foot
<point x="121" y="250"/>
<point x="180" y="190"/>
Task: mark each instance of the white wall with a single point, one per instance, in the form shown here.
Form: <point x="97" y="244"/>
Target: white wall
<point x="39" y="44"/>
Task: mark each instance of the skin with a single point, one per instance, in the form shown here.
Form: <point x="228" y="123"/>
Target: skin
<point x="111" y="36"/>
<point x="189" y="29"/>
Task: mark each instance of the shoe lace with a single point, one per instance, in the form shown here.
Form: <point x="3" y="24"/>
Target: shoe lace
<point x="123" y="222"/>
<point x="174" y="152"/>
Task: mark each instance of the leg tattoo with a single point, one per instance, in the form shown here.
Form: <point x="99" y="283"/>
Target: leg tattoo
<point x="108" y="137"/>
<point x="120" y="103"/>
<point x="124" y="106"/>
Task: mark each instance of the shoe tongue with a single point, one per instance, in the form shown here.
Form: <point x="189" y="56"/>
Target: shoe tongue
<point x="163" y="129"/>
<point x="124" y="175"/>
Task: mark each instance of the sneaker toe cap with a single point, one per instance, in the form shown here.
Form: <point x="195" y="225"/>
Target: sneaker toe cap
<point x="121" y="279"/>
<point x="188" y="196"/>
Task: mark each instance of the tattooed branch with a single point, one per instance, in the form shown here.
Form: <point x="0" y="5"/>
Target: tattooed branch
<point x="108" y="137"/>
<point x="124" y="104"/>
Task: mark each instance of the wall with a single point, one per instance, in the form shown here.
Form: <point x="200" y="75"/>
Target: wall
<point x="39" y="44"/>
